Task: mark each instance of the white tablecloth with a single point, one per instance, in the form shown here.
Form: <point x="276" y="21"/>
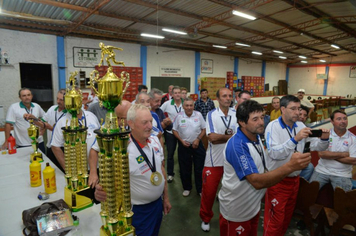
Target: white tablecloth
<point x="18" y="195"/>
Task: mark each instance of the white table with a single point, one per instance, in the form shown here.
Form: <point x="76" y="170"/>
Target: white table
<point x="18" y="195"/>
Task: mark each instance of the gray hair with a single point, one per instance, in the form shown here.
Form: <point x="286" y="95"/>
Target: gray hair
<point x="188" y="99"/>
<point x="131" y="113"/>
<point x="138" y="95"/>
<point x="155" y="91"/>
<point x="175" y="87"/>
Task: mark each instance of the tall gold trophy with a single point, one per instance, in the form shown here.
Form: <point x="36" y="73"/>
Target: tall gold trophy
<point x="33" y="132"/>
<point x="116" y="214"/>
<point x="75" y="151"/>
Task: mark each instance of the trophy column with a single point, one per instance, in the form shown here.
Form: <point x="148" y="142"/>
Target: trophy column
<point x="33" y="132"/>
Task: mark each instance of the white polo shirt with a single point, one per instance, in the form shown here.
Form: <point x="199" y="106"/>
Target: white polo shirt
<point x="14" y="116"/>
<point x="142" y="190"/>
<point x="281" y="144"/>
<point x="88" y="119"/>
<point x="306" y="103"/>
<point x="51" y="117"/>
<point x="239" y="201"/>
<point x="345" y="143"/>
<point x="187" y="127"/>
<point x="216" y="123"/>
<point x="172" y="110"/>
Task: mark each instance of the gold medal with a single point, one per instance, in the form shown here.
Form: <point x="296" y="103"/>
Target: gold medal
<point x="156" y="178"/>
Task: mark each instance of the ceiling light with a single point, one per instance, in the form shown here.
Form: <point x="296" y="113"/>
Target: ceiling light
<point x="304" y="62"/>
<point x="244" y="15"/>
<point x="174" y="31"/>
<point x="277" y="51"/>
<point x="303" y="57"/>
<point x="282" y="57"/>
<point x="335" y="46"/>
<point x="322" y="60"/>
<point x="243" y="45"/>
<point x="257" y="53"/>
<point x="219" y="46"/>
<point x="152" y="36"/>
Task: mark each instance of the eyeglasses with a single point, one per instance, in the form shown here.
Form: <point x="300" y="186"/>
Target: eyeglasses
<point x="294" y="108"/>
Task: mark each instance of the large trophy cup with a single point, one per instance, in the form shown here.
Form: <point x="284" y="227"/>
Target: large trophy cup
<point x="75" y="151"/>
<point x="33" y="132"/>
<point x="114" y="173"/>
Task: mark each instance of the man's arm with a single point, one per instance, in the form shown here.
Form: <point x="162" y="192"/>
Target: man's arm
<point x="176" y="134"/>
<point x="298" y="161"/>
<point x="166" y="204"/>
<point x="215" y="138"/>
<point x="347" y="160"/>
<point x="332" y="155"/>
<point x="93" y="162"/>
<point x="57" y="151"/>
<point x="7" y="134"/>
<point x="195" y="143"/>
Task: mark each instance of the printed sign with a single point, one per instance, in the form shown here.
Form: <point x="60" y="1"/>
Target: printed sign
<point x="169" y="71"/>
<point x="353" y="71"/>
<point x="206" y="66"/>
<point x="86" y="57"/>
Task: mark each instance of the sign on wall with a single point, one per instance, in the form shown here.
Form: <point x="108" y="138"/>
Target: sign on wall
<point x="352" y="71"/>
<point x="169" y="71"/>
<point x="86" y="57"/>
<point x="206" y="66"/>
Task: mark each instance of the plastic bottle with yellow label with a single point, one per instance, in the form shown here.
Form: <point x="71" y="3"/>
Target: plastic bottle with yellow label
<point x="49" y="179"/>
<point x="35" y="173"/>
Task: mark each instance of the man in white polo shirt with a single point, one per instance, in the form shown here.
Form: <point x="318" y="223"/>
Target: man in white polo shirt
<point x="147" y="174"/>
<point x="15" y="117"/>
<point x="172" y="108"/>
<point x="221" y="125"/>
<point x="335" y="164"/>
<point x="304" y="102"/>
<point x="189" y="129"/>
<point x="245" y="173"/>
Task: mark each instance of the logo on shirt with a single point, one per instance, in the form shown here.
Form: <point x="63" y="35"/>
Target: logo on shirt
<point x="196" y="120"/>
<point x="140" y="159"/>
<point x="182" y="121"/>
<point x="244" y="162"/>
<point x="207" y="173"/>
<point x="240" y="229"/>
<point x="345" y="143"/>
<point x="274" y="202"/>
<point x="156" y="149"/>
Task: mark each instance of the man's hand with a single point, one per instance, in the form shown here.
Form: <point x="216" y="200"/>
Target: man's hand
<point x="166" y="206"/>
<point x="303" y="133"/>
<point x="195" y="144"/>
<point x="4" y="145"/>
<point x="27" y="116"/>
<point x="325" y="134"/>
<point x="93" y="178"/>
<point x="299" y="160"/>
<point x="99" y="193"/>
<point x="185" y="144"/>
<point x="167" y="121"/>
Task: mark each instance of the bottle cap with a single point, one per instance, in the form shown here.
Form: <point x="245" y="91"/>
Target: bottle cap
<point x="47" y="164"/>
<point x="76" y="222"/>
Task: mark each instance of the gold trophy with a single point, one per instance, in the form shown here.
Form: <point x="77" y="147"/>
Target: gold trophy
<point x="33" y="132"/>
<point x="114" y="172"/>
<point x="75" y="151"/>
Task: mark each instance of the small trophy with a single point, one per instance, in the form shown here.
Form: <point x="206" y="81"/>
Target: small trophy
<point x="33" y="132"/>
<point x="116" y="214"/>
<point x="75" y="151"/>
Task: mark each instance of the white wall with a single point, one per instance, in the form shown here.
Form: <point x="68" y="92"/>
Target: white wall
<point x="275" y="72"/>
<point x="169" y="57"/>
<point x="249" y="68"/>
<point x="339" y="82"/>
<point x="23" y="47"/>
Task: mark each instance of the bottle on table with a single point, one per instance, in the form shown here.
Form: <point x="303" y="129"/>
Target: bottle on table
<point x="49" y="179"/>
<point x="35" y="173"/>
<point x="11" y="145"/>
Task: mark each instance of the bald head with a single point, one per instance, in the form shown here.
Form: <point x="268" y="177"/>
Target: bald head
<point x="121" y="110"/>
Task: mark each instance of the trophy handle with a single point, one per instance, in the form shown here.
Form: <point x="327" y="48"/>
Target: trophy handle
<point x="126" y="79"/>
<point x="94" y="76"/>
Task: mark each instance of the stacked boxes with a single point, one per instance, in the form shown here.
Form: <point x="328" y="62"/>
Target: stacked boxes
<point x="254" y="84"/>
<point x="230" y="77"/>
<point x="212" y="84"/>
<point x="135" y="79"/>
<point x="194" y="96"/>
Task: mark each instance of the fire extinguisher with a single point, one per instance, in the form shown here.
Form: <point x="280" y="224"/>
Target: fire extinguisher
<point x="11" y="144"/>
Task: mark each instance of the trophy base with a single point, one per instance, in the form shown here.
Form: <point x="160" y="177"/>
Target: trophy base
<point x="106" y="232"/>
<point x="76" y="201"/>
<point x="38" y="156"/>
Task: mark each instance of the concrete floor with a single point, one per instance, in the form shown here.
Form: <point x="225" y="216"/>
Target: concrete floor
<point x="184" y="220"/>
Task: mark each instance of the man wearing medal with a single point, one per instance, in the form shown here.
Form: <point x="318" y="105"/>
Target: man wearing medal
<point x="221" y="124"/>
<point x="149" y="191"/>
<point x="245" y="173"/>
<point x="48" y="121"/>
<point x="285" y="136"/>
<point x="16" y="116"/>
<point x="189" y="129"/>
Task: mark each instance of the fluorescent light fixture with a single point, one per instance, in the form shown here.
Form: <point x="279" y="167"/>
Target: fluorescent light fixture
<point x="304" y="62"/>
<point x="174" y="31"/>
<point x="282" y="57"/>
<point x="303" y="57"/>
<point x="257" y="53"/>
<point x="335" y="46"/>
<point x="243" y="45"/>
<point x="219" y="46"/>
<point x="152" y="36"/>
<point x="277" y="51"/>
<point x="244" y="15"/>
<point x="322" y="60"/>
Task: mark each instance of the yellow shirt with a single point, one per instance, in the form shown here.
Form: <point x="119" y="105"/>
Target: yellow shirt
<point x="275" y="114"/>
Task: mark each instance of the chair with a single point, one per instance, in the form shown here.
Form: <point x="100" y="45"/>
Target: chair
<point x="332" y="101"/>
<point x="313" y="116"/>
<point x="325" y="113"/>
<point x="319" y="117"/>
<point x="306" y="209"/>
<point x="343" y="214"/>
<point x="319" y="104"/>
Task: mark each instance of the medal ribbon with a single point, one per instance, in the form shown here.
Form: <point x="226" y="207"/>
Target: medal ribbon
<point x="226" y="125"/>
<point x="289" y="133"/>
<point x="85" y="120"/>
<point x="261" y="154"/>
<point x="143" y="154"/>
<point x="180" y="108"/>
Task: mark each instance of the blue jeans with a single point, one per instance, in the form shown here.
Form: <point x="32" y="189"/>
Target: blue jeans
<point x="336" y="181"/>
<point x="307" y="172"/>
